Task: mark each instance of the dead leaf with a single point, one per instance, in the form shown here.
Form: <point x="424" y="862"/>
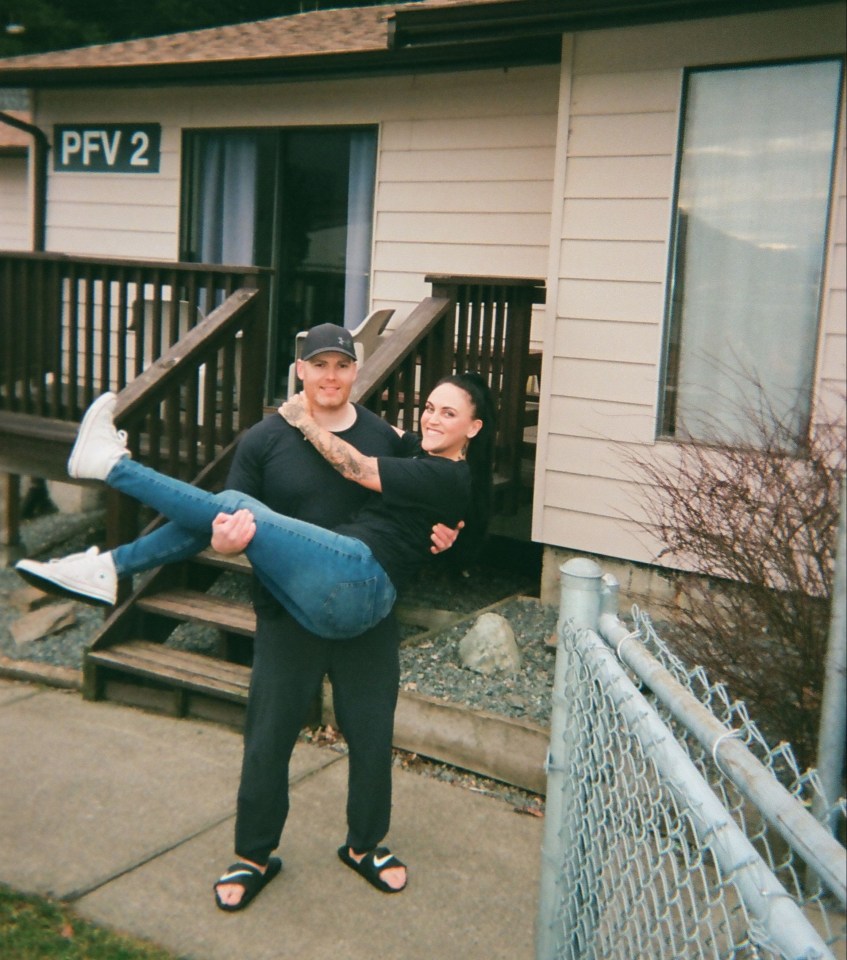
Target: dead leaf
<point x="530" y="811"/>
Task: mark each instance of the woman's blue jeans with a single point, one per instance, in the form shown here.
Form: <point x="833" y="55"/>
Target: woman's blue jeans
<point x="329" y="583"/>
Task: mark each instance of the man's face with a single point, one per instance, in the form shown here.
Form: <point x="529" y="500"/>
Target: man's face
<point x="327" y="379"/>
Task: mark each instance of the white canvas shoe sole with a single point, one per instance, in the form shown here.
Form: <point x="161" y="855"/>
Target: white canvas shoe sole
<point x="56" y="577"/>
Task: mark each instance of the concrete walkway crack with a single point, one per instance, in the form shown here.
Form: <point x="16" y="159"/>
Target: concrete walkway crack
<point x="80" y="892"/>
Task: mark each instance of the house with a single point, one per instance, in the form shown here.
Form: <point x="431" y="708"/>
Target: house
<point x="672" y="171"/>
<point x="15" y="223"/>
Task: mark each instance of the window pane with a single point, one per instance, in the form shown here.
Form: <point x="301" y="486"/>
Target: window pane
<point x="752" y="208"/>
<point x="223" y="188"/>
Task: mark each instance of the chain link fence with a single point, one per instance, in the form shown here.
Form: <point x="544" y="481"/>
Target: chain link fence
<point x="673" y="830"/>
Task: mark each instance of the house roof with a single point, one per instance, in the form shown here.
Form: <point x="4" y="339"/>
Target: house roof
<point x="318" y="43"/>
<point x="423" y="34"/>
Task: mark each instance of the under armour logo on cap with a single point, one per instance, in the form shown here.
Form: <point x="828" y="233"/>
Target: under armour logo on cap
<point x="328" y="338"/>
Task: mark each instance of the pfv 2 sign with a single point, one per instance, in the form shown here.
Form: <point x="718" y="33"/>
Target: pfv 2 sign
<point x="107" y="148"/>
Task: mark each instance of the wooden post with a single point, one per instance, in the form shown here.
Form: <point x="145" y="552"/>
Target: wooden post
<point x="10" y="519"/>
<point x="513" y="399"/>
<point x="122" y="523"/>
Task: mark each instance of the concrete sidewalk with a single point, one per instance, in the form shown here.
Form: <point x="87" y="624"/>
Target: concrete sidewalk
<point x="130" y="816"/>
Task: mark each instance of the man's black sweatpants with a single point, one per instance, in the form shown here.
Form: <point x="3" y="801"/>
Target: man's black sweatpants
<point x="289" y="665"/>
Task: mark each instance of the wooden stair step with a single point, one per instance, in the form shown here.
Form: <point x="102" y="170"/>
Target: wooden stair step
<point x="237" y="561"/>
<point x="183" y="668"/>
<point x="230" y="615"/>
<point x="238" y="617"/>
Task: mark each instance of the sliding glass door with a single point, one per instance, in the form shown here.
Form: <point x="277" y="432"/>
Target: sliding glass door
<point x="299" y="201"/>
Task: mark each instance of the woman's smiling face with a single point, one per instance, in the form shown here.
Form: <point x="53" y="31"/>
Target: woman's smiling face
<point x="448" y="421"/>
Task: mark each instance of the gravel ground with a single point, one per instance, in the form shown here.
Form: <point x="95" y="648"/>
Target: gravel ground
<point x="50" y="536"/>
<point x="429" y="660"/>
<point x="433" y="667"/>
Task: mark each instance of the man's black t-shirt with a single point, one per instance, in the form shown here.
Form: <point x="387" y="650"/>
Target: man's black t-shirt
<point x="275" y="464"/>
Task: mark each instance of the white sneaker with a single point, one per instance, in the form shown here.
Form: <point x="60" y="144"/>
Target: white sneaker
<point x="98" y="445"/>
<point x="90" y="575"/>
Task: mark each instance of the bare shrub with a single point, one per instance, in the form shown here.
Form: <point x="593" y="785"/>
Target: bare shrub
<point x="759" y="521"/>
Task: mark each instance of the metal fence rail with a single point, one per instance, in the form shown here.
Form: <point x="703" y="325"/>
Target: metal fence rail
<point x="673" y="831"/>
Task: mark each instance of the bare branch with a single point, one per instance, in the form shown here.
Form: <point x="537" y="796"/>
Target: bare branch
<point x="758" y="519"/>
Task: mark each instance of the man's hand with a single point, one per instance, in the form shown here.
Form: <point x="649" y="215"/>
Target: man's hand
<point x="231" y="532"/>
<point x="444" y="537"/>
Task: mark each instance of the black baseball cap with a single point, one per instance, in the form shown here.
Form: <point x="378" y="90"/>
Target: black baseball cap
<point x="328" y="338"/>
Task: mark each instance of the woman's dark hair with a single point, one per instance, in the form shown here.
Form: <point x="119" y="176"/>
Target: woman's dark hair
<point x="480" y="458"/>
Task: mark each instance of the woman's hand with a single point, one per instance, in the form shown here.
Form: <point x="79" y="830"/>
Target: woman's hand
<point x="231" y="532"/>
<point x="295" y="410"/>
<point x="444" y="537"/>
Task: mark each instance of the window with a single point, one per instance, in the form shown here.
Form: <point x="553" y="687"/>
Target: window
<point x="300" y="201"/>
<point x="757" y="152"/>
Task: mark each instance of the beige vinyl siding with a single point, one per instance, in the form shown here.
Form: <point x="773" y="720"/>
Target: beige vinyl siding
<point x="623" y="421"/>
<point x="463" y="183"/>
<point x="613" y="342"/>
<point x="628" y="262"/>
<point x="137" y="217"/>
<point x="467" y="191"/>
<point x="832" y="349"/>
<point x="609" y="535"/>
<point x="15" y="223"/>
<point x="606" y="293"/>
<point x="612" y="300"/>
<point x="806" y="32"/>
<point x="397" y="198"/>
<point x="636" y="177"/>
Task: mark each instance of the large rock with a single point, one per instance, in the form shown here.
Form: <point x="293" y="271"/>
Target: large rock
<point x="490" y="647"/>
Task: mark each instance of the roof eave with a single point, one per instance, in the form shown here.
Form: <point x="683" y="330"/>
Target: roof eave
<point x="494" y="52"/>
<point x="416" y="27"/>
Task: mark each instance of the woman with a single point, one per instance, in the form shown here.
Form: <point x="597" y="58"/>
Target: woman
<point x="335" y="583"/>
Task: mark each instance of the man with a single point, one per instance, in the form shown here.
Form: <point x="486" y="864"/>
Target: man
<point x="275" y="464"/>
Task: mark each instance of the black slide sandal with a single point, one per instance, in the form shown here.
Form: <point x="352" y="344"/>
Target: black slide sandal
<point x="250" y="878"/>
<point x="372" y="865"/>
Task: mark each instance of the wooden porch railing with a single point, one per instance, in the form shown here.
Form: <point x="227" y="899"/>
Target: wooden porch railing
<point x="184" y="413"/>
<point x="469" y="323"/>
<point x="74" y="327"/>
<point x="183" y="345"/>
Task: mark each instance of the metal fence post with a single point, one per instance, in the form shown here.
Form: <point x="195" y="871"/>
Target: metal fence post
<point x="580" y="597"/>
<point x="579" y="606"/>
<point x="830" y="759"/>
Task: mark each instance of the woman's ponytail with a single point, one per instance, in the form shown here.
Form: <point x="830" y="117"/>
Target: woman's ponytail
<point x="480" y="459"/>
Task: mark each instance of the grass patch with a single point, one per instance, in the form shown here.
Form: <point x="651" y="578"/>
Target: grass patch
<point x="35" y="928"/>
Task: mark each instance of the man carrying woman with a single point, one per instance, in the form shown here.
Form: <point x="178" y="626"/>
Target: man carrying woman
<point x="359" y="564"/>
